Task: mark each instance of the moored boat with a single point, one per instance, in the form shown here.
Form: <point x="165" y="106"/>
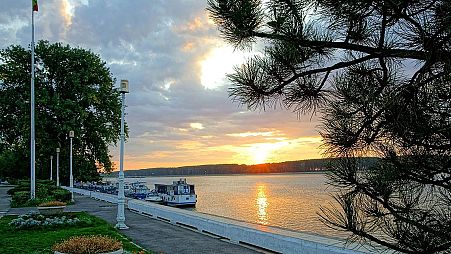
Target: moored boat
<point x="179" y="193"/>
<point x="139" y="190"/>
<point x="153" y="196"/>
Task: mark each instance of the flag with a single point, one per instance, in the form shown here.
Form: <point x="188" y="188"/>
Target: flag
<point x="35" y="5"/>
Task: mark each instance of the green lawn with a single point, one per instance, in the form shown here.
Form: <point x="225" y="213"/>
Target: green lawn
<point x="41" y="240"/>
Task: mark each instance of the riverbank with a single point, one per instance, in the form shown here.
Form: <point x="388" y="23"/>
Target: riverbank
<point x="155" y="235"/>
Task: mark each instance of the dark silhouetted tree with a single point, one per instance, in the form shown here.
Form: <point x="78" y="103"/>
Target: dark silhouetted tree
<point x="379" y="72"/>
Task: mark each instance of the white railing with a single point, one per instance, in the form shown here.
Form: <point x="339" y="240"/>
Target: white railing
<point x="269" y="238"/>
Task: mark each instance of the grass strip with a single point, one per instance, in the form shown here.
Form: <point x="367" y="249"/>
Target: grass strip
<point x="39" y="241"/>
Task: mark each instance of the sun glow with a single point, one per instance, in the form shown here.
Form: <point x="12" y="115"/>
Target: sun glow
<point x="262" y="152"/>
<point x="217" y="64"/>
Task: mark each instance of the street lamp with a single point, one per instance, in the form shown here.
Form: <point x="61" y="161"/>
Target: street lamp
<point x="57" y="167"/>
<point x="51" y="167"/>
<point x="120" y="195"/>
<point x="71" y="177"/>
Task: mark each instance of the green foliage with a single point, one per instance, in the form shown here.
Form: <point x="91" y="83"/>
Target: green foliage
<point x="74" y="91"/>
<point x="45" y="191"/>
<point x="62" y="195"/>
<point x="41" y="240"/>
<point x="378" y="73"/>
<point x="20" y="197"/>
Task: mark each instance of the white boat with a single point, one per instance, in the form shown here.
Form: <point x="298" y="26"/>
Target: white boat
<point x="179" y="193"/>
<point x="153" y="196"/>
<point x="136" y="189"/>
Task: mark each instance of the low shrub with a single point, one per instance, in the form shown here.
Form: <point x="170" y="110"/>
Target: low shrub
<point x="45" y="191"/>
<point x="36" y="220"/>
<point x="18" y="188"/>
<point x="20" y="197"/>
<point x="62" y="195"/>
<point x="88" y="245"/>
<point x="12" y="181"/>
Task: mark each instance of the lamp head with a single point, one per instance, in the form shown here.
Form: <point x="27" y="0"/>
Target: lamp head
<point x="124" y="86"/>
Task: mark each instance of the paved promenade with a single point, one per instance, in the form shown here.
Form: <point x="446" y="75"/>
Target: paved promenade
<point x="152" y="234"/>
<point x="4" y="199"/>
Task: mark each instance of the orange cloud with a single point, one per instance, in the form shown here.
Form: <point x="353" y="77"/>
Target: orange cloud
<point x="198" y="23"/>
<point x="194" y="24"/>
<point x="187" y="46"/>
<point x="188" y="152"/>
<point x="66" y="12"/>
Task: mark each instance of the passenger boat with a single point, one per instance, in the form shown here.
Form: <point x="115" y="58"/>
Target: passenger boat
<point x="179" y="193"/>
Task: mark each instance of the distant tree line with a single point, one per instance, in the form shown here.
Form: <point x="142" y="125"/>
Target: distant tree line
<point x="313" y="165"/>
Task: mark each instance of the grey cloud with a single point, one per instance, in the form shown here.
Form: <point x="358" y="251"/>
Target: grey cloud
<point x="143" y="41"/>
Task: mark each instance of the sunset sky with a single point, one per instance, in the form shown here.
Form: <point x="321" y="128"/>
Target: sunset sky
<point x="178" y="109"/>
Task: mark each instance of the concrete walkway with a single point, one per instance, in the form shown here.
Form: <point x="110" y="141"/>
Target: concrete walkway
<point x="152" y="234"/>
<point x="4" y="199"/>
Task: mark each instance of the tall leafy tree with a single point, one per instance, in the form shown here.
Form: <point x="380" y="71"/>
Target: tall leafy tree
<point x="379" y="72"/>
<point x="74" y="91"/>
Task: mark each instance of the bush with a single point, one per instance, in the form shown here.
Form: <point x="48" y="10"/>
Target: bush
<point x="88" y="244"/>
<point x="18" y="188"/>
<point x="45" y="191"/>
<point x="12" y="181"/>
<point x="20" y="197"/>
<point x="62" y="195"/>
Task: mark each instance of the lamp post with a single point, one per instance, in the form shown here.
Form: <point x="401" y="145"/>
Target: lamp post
<point x="32" y="117"/>
<point x="71" y="176"/>
<point x="120" y="195"/>
<point x="51" y="167"/>
<point x="57" y="167"/>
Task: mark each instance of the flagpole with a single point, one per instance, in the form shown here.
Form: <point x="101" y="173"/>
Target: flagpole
<point x="32" y="142"/>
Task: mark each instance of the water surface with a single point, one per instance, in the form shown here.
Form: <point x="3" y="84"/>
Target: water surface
<point x="289" y="201"/>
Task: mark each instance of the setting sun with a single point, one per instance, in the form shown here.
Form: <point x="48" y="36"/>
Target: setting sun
<point x="263" y="152"/>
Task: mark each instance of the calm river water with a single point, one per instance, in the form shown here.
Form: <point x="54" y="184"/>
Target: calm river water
<point x="289" y="201"/>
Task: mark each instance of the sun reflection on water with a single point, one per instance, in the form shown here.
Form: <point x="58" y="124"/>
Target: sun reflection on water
<point x="262" y="205"/>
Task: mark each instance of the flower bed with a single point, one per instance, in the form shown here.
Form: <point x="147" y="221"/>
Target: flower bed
<point x="52" y="204"/>
<point x="93" y="244"/>
<point x="35" y="220"/>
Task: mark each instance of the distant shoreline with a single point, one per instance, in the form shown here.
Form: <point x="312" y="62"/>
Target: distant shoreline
<point x="288" y="167"/>
<point x="255" y="174"/>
